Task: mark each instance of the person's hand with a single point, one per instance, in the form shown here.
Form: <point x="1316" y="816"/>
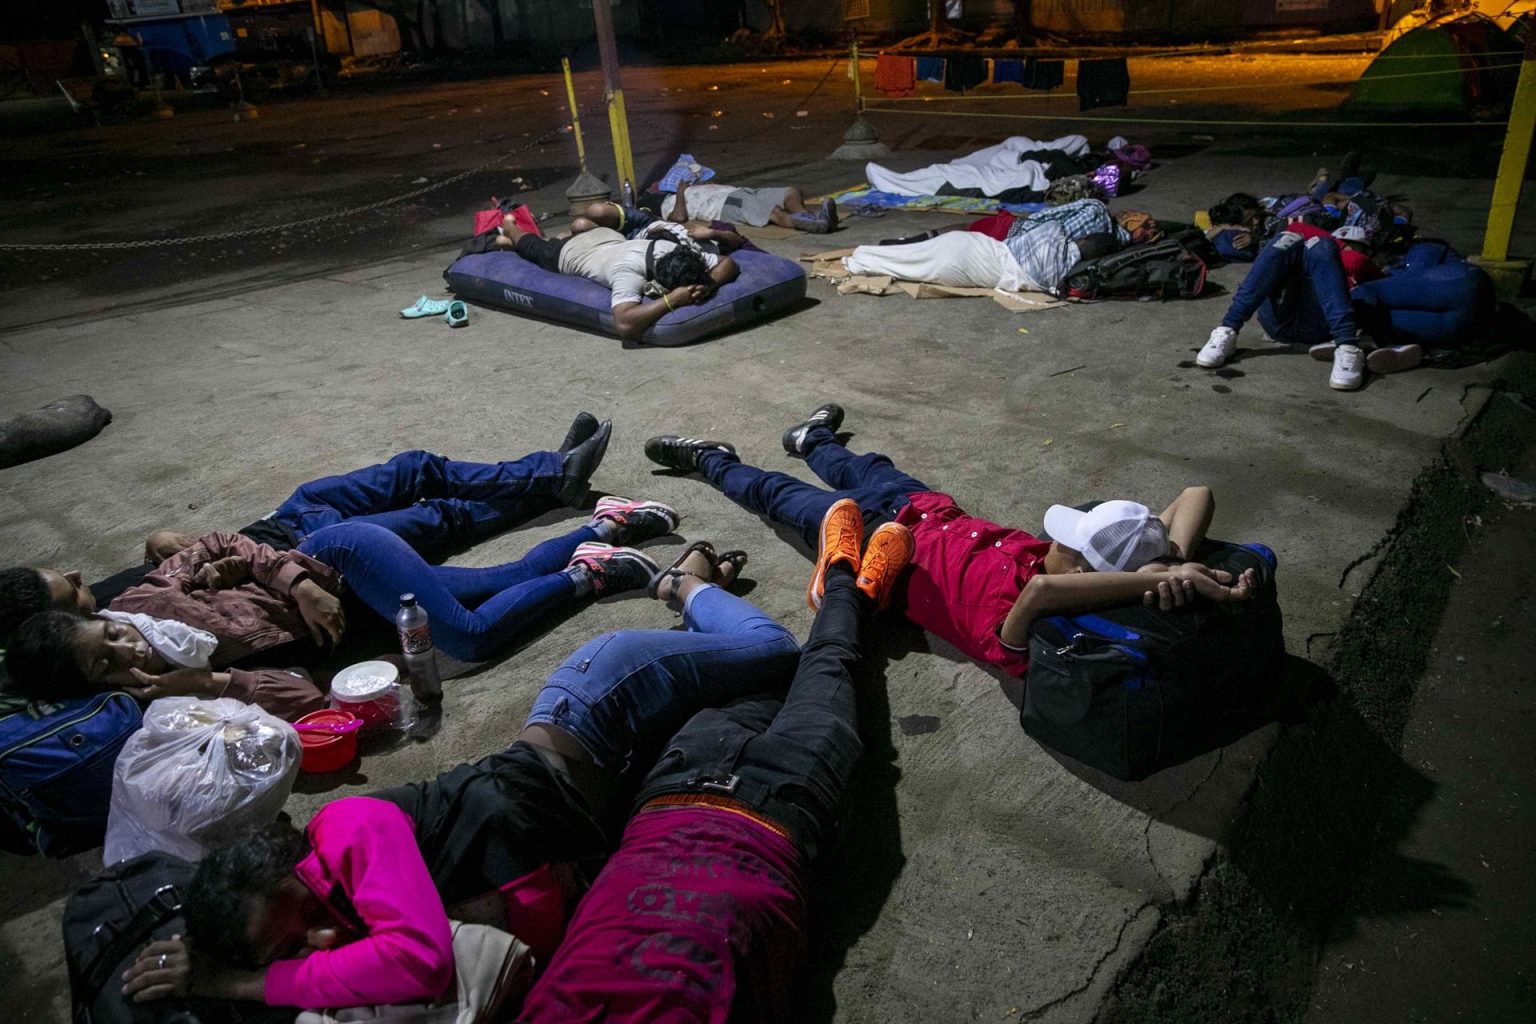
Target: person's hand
<point x="699" y="293"/>
<point x="681" y="296"/>
<point x="162" y="544"/>
<point x="178" y="682"/>
<point x="224" y="573"/>
<point x="162" y="971"/>
<point x="321" y="611"/>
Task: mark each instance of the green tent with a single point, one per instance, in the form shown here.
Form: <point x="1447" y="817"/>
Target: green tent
<point x="1445" y="67"/>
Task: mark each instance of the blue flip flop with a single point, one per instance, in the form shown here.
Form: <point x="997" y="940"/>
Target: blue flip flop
<point x="426" y="307"/>
<point x="457" y="314"/>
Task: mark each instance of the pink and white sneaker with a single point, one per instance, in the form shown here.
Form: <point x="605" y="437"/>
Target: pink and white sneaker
<point x="614" y="570"/>
<point x="637" y="520"/>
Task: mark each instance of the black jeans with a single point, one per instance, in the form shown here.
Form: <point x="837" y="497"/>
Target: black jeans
<point x="543" y="253"/>
<point x="789" y="760"/>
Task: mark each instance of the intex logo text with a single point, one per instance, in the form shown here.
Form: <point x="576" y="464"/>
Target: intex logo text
<point x="517" y="297"/>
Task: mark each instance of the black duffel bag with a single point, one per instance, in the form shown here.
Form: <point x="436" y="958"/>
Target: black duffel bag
<point x="1133" y="690"/>
<point x="1172" y="268"/>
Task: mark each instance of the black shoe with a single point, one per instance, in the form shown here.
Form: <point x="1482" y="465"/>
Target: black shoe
<point x="682" y="452"/>
<point x="829" y="415"/>
<point x="578" y="464"/>
<point x="829" y="213"/>
<point x="614" y="570"/>
<point x="582" y="427"/>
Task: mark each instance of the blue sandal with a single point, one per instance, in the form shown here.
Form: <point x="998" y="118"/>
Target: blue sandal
<point x="426" y="307"/>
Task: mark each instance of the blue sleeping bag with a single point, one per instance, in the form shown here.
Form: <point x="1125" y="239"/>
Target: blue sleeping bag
<point x="1432" y="297"/>
<point x="767" y="285"/>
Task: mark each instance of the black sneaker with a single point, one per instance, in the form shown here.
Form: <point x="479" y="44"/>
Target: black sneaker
<point x="582" y="427"/>
<point x="637" y="520"/>
<point x="682" y="452"/>
<point x="578" y="464"/>
<point x="829" y="415"/>
<point x="829" y="213"/>
<point x="614" y="570"/>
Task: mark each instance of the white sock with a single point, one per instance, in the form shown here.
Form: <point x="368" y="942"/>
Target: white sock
<point x="606" y="529"/>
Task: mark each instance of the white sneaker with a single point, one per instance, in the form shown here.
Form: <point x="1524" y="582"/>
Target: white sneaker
<point x="1394" y="358"/>
<point x="1218" y="349"/>
<point x="1348" y="368"/>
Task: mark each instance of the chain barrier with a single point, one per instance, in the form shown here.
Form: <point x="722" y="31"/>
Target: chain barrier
<point x="223" y="236"/>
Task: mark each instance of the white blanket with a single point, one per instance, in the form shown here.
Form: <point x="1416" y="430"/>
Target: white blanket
<point x="957" y="259"/>
<point x="993" y="170"/>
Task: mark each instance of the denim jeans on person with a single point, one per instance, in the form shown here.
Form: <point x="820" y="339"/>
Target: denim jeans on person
<point x="473" y="611"/>
<point x="1443" y="306"/>
<point x="872" y="480"/>
<point x="790" y="760"/>
<point x="1298" y="289"/>
<point x="431" y="502"/>
<point x="623" y="693"/>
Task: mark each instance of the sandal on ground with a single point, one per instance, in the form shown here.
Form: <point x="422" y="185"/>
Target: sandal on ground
<point x="675" y="570"/>
<point x="457" y="314"/>
<point x="736" y="558"/>
<point x="426" y="307"/>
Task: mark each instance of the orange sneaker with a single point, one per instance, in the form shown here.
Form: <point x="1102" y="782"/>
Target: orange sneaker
<point x="890" y="549"/>
<point x="840" y="539"/>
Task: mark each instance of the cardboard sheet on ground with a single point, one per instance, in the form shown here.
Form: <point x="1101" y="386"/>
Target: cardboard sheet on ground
<point x="828" y="266"/>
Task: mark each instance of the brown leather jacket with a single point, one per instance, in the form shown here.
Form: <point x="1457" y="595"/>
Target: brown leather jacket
<point x="254" y="616"/>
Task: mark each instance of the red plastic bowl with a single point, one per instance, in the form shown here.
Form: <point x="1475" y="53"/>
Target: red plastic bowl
<point x="323" y="751"/>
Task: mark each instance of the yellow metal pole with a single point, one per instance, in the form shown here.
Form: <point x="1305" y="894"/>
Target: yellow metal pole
<point x="1517" y="151"/>
<point x="625" y="152"/>
<point x="570" y="97"/>
<point x="608" y="51"/>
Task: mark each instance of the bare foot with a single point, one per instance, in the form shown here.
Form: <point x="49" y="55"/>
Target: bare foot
<point x="699" y="570"/>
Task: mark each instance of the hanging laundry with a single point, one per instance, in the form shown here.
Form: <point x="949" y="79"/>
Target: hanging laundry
<point x="1102" y="83"/>
<point x="1044" y="74"/>
<point x="895" y="76"/>
<point x="1008" y="71"/>
<point x="930" y="69"/>
<point x="963" y="73"/>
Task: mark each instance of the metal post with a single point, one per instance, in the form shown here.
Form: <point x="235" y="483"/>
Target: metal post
<point x="1510" y="275"/>
<point x="860" y="141"/>
<point x="608" y="50"/>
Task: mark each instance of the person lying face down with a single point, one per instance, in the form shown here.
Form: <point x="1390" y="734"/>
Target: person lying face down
<point x="355" y="909"/>
<point x="682" y="272"/>
<point x="975" y="583"/>
<point x="433" y="503"/>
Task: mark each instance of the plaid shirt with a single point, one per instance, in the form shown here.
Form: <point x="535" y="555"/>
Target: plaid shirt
<point x="1079" y="218"/>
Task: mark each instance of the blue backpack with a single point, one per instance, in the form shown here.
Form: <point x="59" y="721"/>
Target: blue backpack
<point x="56" y="771"/>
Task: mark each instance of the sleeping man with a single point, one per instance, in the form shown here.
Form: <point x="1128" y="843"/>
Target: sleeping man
<point x="675" y="268"/>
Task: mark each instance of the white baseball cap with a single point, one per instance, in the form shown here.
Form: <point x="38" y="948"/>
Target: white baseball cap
<point x="1351" y="233"/>
<point x="1115" y="536"/>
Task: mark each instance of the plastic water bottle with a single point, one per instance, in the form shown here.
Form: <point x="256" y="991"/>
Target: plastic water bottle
<point x="628" y="192"/>
<point x="416" y="645"/>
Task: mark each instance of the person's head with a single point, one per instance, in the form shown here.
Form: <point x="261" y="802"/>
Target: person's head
<point x="1113" y="536"/>
<point x="1100" y="243"/>
<point x="246" y="906"/>
<point x="681" y="267"/>
<point x="1238" y="208"/>
<point x="25" y="592"/>
<point x="65" y="654"/>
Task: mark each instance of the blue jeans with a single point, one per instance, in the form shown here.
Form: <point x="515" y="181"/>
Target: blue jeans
<point x="871" y="480"/>
<point x="1439" y="307"/>
<point x="472" y="611"/>
<point x="431" y="502"/>
<point x="622" y="694"/>
<point x="1298" y="289"/>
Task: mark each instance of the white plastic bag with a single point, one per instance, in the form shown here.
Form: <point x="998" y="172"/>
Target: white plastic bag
<point x="198" y="771"/>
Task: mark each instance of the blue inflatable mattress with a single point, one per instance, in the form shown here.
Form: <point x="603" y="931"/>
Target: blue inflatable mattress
<point x="767" y="285"/>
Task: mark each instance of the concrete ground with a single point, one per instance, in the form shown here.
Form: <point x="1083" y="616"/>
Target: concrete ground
<point x="981" y="878"/>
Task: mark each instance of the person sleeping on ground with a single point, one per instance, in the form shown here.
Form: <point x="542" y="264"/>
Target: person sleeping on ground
<point x="435" y="504"/>
<point x="676" y="269"/>
<point x="975" y="583"/>
<point x="1034" y="256"/>
<point x="1319" y="289"/>
<point x="701" y="914"/>
<point x="354" y="910"/>
<point x="227" y="602"/>
<point x="703" y="204"/>
<point x="1018" y="168"/>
